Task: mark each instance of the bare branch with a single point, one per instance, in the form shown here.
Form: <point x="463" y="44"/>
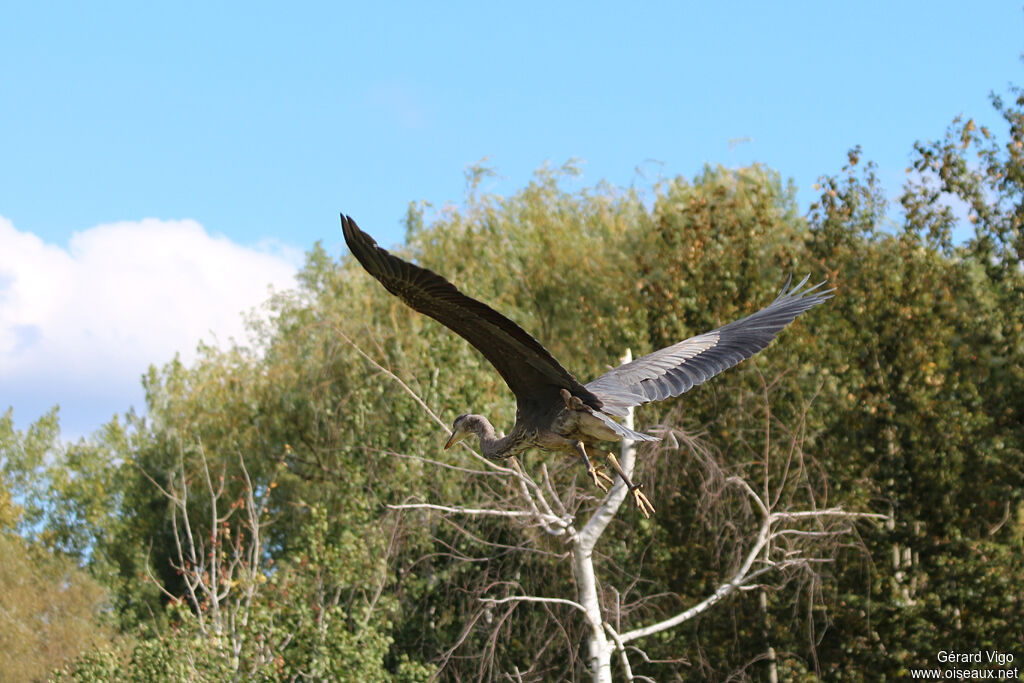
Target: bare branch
<point x="469" y="511"/>
<point x="531" y="491"/>
<point x="534" y="598"/>
<point x="738" y="481"/>
<point x="620" y="646"/>
<point x="392" y="375"/>
<point x="830" y="512"/>
<point x="436" y="463"/>
<point x="744" y="578"/>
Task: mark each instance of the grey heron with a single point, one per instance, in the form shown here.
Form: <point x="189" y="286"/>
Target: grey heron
<point x="554" y="411"/>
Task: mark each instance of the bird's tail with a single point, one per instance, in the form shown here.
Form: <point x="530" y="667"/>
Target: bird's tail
<point x="622" y="430"/>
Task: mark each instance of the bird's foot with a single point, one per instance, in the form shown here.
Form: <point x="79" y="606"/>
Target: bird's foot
<point x="639" y="497"/>
<point x="642" y="501"/>
<point x="599" y="477"/>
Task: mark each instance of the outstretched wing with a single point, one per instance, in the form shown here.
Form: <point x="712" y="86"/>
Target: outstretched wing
<point x="680" y="367"/>
<point x="527" y="367"/>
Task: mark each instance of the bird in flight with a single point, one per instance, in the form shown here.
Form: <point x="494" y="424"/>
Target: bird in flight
<point x="554" y="412"/>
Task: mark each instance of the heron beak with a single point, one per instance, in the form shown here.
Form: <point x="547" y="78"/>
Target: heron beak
<point x="455" y="438"/>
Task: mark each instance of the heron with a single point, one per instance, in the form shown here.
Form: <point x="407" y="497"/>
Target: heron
<point x="554" y="411"/>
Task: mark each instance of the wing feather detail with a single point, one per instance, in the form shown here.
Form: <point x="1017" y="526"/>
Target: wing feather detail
<point x="678" y="368"/>
<point x="527" y="367"/>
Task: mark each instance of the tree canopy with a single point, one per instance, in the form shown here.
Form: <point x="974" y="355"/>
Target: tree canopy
<point x="241" y="527"/>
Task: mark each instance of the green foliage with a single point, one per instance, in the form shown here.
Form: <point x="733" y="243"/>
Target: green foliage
<point x="23" y="458"/>
<point x="928" y="414"/>
<point x="49" y="610"/>
<point x="903" y="395"/>
<point x="10" y="513"/>
<point x="302" y="621"/>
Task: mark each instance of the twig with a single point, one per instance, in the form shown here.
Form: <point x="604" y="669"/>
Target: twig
<point x="462" y="510"/>
<point x="526" y="483"/>
<point x="534" y="598"/>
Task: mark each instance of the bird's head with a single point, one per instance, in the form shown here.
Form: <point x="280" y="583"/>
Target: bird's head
<point x="460" y="430"/>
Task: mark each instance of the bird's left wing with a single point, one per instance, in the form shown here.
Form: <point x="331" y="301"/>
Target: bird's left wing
<point x="680" y="367"/>
<point x="526" y="366"/>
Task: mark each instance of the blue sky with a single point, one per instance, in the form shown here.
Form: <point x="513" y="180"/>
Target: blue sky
<point x="240" y="130"/>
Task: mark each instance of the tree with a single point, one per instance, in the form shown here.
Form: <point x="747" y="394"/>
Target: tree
<point x="49" y="613"/>
<point x="926" y="417"/>
<point x="901" y="397"/>
<point x="242" y="615"/>
<point x="51" y="610"/>
<point x="786" y="542"/>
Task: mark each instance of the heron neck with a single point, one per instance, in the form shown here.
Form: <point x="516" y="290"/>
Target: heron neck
<point x="491" y="445"/>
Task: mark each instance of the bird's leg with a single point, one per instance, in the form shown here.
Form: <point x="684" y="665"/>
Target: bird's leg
<point x="639" y="498"/>
<point x="595" y="474"/>
<point x="571" y="402"/>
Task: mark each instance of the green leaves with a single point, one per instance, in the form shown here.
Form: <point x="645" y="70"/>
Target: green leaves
<point x="50" y="610"/>
<point x="902" y="395"/>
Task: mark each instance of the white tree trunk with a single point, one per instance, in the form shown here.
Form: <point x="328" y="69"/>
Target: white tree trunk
<point x="600" y="648"/>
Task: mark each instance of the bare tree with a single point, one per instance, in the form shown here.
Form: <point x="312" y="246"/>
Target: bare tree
<point x="784" y="543"/>
<point x="221" y="561"/>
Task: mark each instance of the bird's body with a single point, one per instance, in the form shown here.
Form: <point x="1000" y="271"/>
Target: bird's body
<point x="560" y="432"/>
<point x="554" y="411"/>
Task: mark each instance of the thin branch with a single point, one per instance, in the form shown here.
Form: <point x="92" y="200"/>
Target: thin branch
<point x="416" y="397"/>
<point x="750" y="492"/>
<point x="744" y="577"/>
<point x="621" y="647"/>
<point x="526" y="483"/>
<point x="482" y="512"/>
<point x="551" y="490"/>
<point x="436" y="463"/>
<point x="534" y="598"/>
<point x="393" y="376"/>
<point x="830" y="512"/>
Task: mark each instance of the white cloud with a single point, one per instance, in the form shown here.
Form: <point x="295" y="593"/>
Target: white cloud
<point x="79" y="326"/>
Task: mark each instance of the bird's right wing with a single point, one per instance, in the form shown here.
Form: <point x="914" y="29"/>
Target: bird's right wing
<point x="526" y="366"/>
<point x="680" y="367"/>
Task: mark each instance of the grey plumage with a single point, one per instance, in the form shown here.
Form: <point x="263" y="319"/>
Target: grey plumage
<point x="678" y="368"/>
<point x="554" y="411"/>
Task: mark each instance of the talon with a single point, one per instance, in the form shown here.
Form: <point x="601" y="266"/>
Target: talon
<point x="642" y="501"/>
<point x="597" y="475"/>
